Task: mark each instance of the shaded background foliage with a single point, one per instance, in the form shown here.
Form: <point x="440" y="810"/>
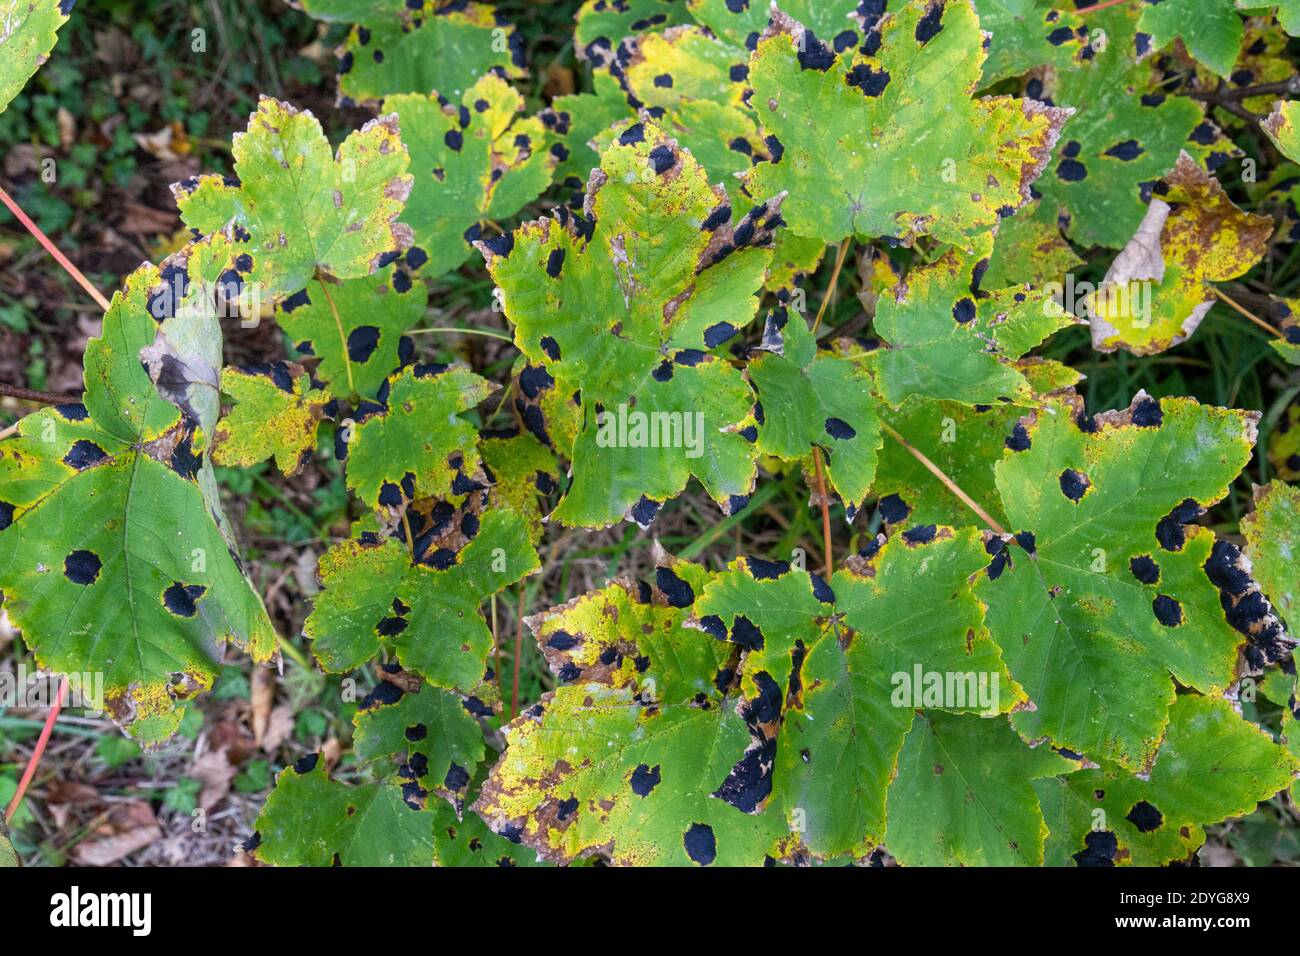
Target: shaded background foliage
<point x="125" y="108"/>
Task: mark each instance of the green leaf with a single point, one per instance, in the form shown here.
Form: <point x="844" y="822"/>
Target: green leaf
<point x="114" y="552"/>
<point x="620" y="637"/>
<point x="1272" y="533"/>
<point x="524" y="471"/>
<point x="579" y="118"/>
<point x="414" y="444"/>
<point x="964" y="795"/>
<point x="602" y="26"/>
<point x="1282" y="126"/>
<point x="817" y="399"/>
<point x="1159" y="287"/>
<point x="949" y="339"/>
<point x="848" y="131"/>
<point x="427" y="611"/>
<point x="475" y="161"/>
<point x="440" y="742"/>
<point x="1126" y="133"/>
<point x="394" y="48"/>
<point x="964" y="442"/>
<point x="1110" y="589"/>
<point x="1210" y="29"/>
<point x="1031" y="249"/>
<point x="354" y="327"/>
<point x="276" y="413"/>
<point x="312" y="820"/>
<point x="28" y="31"/>
<point x="1212" y="765"/>
<point x="643" y="790"/>
<point x="1029" y="33"/>
<point x="303" y="211"/>
<point x="468" y="842"/>
<point x="624" y="309"/>
<point x="914" y="617"/>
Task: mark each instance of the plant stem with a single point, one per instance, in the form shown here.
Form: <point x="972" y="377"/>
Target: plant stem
<point x="53" y="250"/>
<point x="41" y="741"/>
<point x="830" y="288"/>
<point x="948" y="483"/>
<point x="826" y="511"/>
<point x="492" y="335"/>
<point x="496" y="649"/>
<point x="1248" y="314"/>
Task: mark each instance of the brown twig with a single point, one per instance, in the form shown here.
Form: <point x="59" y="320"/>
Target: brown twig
<point x="1248" y="314"/>
<point x="830" y="287"/>
<point x="31" y="395"/>
<point x="53" y="250"/>
<point x="948" y="483"/>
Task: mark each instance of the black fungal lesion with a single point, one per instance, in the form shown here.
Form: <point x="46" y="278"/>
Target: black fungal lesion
<point x="1247" y="609"/>
<point x="1099" y="849"/>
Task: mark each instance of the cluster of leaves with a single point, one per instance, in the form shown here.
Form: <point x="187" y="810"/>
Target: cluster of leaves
<point x="1049" y="677"/>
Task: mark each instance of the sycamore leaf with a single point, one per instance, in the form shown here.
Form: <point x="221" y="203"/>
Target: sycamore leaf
<point x="426" y="610"/>
<point x="474" y="160"/>
<point x="277" y="409"/>
<point x="1158" y="289"/>
<point x="114" y="553"/>
<point x="1282" y="126"/>
<point x="467" y="841"/>
<point x="949" y="339"/>
<point x="1210" y="29"/>
<point x="523" y="472"/>
<point x="355" y="328"/>
<point x="579" y="118"/>
<point x="310" y="819"/>
<point x="1212" y="765"/>
<point x="414" y="46"/>
<point x="623" y="306"/>
<point x="965" y="442"/>
<point x="439" y="741"/>
<point x="594" y="767"/>
<point x="1029" y="33"/>
<point x="631" y="755"/>
<point x="28" y="31"/>
<point x="602" y="25"/>
<point x="850" y="663"/>
<point x="964" y="795"/>
<point x="303" y="211"/>
<point x="1272" y="535"/>
<point x="412" y="443"/>
<point x="817" y="399"/>
<point x="1030" y="248"/>
<point x="846" y="135"/>
<point x="1126" y="132"/>
<point x="1110" y="591"/>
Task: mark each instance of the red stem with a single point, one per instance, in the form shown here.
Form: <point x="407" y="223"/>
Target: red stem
<point x="39" y="751"/>
<point x="53" y="250"/>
